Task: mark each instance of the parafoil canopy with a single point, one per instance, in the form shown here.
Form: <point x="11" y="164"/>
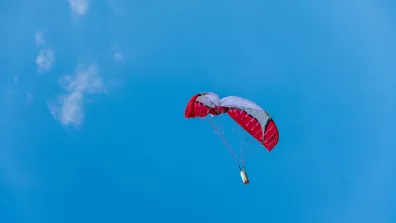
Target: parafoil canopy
<point x="250" y="116"/>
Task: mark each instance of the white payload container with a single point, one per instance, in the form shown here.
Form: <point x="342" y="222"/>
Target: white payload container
<point x="244" y="177"/>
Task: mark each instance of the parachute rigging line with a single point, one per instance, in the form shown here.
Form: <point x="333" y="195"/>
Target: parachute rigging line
<point x="237" y="160"/>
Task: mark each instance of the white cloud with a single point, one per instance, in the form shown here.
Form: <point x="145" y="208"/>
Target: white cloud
<point x="79" y="7"/>
<point x="69" y="107"/>
<point x="45" y="59"/>
<point x="39" y="38"/>
<point x="46" y="56"/>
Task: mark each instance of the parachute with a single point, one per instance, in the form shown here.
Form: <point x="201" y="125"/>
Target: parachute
<point x="251" y="117"/>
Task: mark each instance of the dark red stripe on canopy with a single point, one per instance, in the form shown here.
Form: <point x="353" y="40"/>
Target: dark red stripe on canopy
<point x="270" y="137"/>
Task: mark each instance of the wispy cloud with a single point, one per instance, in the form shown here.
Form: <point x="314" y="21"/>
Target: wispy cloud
<point x="39" y="38"/>
<point x="68" y="108"/>
<point x="45" y="59"/>
<point x="46" y="56"/>
<point x="79" y="7"/>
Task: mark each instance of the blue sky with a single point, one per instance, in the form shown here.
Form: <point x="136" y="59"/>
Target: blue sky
<point x="92" y="97"/>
